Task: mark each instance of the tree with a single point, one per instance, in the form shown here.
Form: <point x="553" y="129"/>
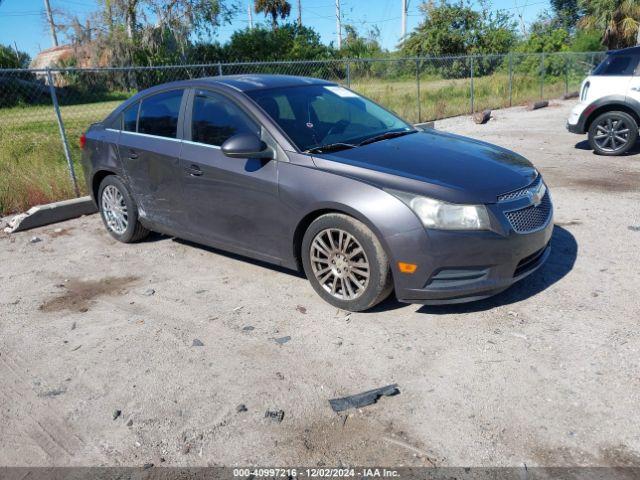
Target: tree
<point x="10" y="58"/>
<point x="290" y="41"/>
<point x="358" y="46"/>
<point x="274" y="8"/>
<point x="457" y="29"/>
<point x="618" y="20"/>
<point x="565" y="13"/>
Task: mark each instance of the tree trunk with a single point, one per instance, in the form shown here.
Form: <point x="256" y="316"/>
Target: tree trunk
<point x="131" y="18"/>
<point x="274" y="20"/>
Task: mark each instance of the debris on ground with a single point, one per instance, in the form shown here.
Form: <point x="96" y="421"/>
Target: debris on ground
<point x="248" y="328"/>
<point x="130" y="422"/>
<point x="537" y="105"/>
<point x="280" y="376"/>
<point x="73" y="326"/>
<point x="275" y="415"/>
<point x="148" y="292"/>
<point x="301" y="309"/>
<point x="634" y="228"/>
<point x="241" y="408"/>
<point x="363" y="399"/>
<point x="35" y="240"/>
<point x="116" y="413"/>
<point x="186" y="448"/>
<point x="482" y="117"/>
<point x="282" y="340"/>
<point x="147" y="466"/>
<point x="197" y="343"/>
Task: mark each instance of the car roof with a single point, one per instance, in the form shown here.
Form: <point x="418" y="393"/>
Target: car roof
<point x="625" y="51"/>
<point x="250" y="82"/>
<point x="243" y="83"/>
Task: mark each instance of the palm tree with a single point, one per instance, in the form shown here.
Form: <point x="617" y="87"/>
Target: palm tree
<point x="619" y="20"/>
<point x="274" y="8"/>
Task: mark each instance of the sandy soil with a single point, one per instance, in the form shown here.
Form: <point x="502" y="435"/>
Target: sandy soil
<point x="100" y="362"/>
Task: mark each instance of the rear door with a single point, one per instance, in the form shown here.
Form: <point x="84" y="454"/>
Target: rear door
<point x="149" y="149"/>
<point x="233" y="201"/>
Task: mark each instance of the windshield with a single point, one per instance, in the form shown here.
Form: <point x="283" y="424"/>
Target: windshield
<point x="318" y="115"/>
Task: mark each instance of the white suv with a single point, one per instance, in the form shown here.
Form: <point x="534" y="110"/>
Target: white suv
<point x="609" y="108"/>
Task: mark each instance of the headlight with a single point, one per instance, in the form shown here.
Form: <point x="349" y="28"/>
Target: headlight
<point x="445" y="216"/>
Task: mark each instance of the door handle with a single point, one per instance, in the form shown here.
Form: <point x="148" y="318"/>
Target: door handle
<point x="195" y="171"/>
<point x="132" y="154"/>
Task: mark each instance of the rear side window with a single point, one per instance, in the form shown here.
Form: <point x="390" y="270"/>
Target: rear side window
<point x="621" y="65"/>
<point x="130" y="118"/>
<point x="159" y="114"/>
<point x="215" y="119"/>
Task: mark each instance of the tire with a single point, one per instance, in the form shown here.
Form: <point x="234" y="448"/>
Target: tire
<point x="323" y="243"/>
<point x="606" y="135"/>
<point x="118" y="194"/>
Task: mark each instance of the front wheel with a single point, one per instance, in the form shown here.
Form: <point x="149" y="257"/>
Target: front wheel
<point x="345" y="262"/>
<point x="613" y="133"/>
<point x="119" y="212"/>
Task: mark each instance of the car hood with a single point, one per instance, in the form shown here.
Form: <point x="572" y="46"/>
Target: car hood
<point x="440" y="165"/>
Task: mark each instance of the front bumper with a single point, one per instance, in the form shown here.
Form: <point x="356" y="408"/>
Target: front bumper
<point x="464" y="266"/>
<point x="576" y="120"/>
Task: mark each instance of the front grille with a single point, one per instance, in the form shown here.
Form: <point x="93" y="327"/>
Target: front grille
<point x="530" y="218"/>
<point x="522" y="192"/>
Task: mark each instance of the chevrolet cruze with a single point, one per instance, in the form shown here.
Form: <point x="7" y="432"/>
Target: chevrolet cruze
<point x="307" y="174"/>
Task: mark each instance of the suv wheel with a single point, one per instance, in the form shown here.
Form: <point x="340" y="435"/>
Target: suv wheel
<point x="345" y="262"/>
<point x="119" y="212"/>
<point x="613" y="133"/>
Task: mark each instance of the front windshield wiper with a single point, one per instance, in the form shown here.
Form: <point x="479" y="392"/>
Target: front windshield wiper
<point x="385" y="136"/>
<point x="331" y="147"/>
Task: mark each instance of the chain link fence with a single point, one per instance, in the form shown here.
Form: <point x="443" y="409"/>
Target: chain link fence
<point x="44" y="112"/>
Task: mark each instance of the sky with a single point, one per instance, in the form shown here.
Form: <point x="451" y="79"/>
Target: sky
<point x="23" y="22"/>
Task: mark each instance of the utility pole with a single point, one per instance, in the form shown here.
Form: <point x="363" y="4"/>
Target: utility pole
<point x="250" y="13"/>
<point x="299" y="13"/>
<point x="54" y="37"/>
<point x="403" y="31"/>
<point x="338" y="24"/>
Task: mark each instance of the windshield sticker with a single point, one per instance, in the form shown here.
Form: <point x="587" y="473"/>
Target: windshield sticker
<point x="342" y="92"/>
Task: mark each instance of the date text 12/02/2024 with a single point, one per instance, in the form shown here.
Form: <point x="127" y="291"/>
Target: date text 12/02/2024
<point x="315" y="472"/>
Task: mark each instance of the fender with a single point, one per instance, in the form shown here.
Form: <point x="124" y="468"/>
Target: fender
<point x="587" y="116"/>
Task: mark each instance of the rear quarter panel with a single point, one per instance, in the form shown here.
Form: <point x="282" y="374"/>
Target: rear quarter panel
<point x="100" y="154"/>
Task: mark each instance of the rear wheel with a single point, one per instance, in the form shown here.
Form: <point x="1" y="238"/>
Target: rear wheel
<point x="119" y="212"/>
<point x="345" y="262"/>
<point x="613" y="133"/>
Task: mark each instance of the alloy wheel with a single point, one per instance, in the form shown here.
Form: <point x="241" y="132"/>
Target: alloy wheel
<point x="339" y="263"/>
<point x="612" y="134"/>
<point x="114" y="209"/>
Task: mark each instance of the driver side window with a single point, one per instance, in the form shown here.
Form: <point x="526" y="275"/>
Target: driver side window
<point x="215" y="118"/>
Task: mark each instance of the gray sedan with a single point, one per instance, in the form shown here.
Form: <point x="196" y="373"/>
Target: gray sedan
<point x="306" y="174"/>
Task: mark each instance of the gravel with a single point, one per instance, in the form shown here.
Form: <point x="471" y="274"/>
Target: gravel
<point x="544" y="374"/>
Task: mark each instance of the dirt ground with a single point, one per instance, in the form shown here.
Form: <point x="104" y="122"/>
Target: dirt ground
<point x="116" y="354"/>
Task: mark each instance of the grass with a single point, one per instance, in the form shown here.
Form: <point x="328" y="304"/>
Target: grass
<point x="33" y="168"/>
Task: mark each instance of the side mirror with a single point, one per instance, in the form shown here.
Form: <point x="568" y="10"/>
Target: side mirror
<point x="246" y="145"/>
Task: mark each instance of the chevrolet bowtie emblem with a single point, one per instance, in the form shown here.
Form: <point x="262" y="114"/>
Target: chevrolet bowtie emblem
<point x="537" y="194"/>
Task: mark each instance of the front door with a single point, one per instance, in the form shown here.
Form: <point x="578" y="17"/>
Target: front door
<point x="231" y="201"/>
<point x="150" y="152"/>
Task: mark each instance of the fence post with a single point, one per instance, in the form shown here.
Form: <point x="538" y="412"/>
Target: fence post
<point x="510" y="79"/>
<point x="472" y="99"/>
<point x="348" y="74"/>
<point x="418" y="89"/>
<point x="541" y="75"/>
<point x="63" y="134"/>
<point x="566" y="74"/>
<point x="219" y="69"/>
